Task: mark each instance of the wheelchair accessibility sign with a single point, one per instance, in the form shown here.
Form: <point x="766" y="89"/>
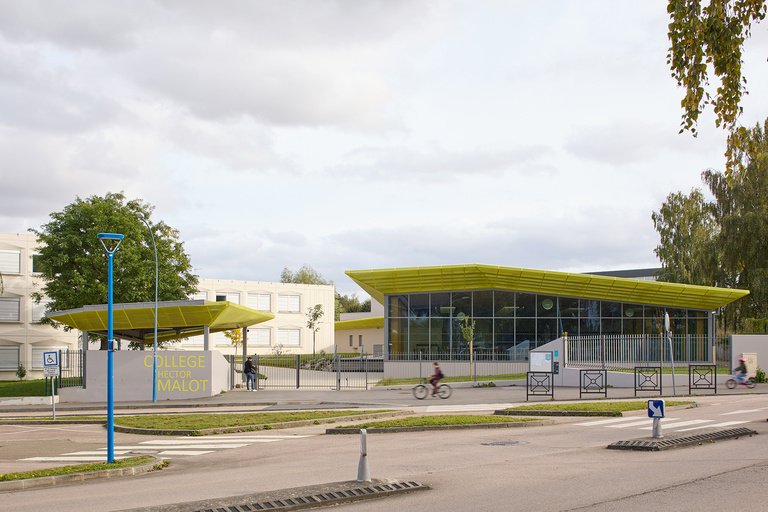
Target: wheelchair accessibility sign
<point x="51" y="359"/>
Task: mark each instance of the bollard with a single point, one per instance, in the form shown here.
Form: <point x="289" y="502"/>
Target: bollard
<point x="363" y="470"/>
<point x="657" y="428"/>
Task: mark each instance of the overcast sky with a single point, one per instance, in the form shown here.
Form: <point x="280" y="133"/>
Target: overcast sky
<point x="357" y="134"/>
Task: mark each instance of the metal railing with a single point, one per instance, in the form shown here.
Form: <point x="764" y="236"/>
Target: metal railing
<point x="624" y="352"/>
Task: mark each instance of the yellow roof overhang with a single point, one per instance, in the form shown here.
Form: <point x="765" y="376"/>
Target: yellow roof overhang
<point x="378" y="283"/>
<point x="374" y="322"/>
<point x="175" y="319"/>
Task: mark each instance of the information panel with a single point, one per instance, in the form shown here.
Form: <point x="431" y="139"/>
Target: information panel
<point x="540" y="362"/>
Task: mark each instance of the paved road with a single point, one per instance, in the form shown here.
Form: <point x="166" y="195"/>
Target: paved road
<point x="560" y="467"/>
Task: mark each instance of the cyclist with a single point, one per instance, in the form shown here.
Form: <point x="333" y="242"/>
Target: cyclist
<point x="741" y="371"/>
<point x="435" y="378"/>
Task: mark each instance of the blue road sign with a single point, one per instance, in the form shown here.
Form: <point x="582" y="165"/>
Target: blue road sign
<point x="51" y="359"/>
<point x="655" y="408"/>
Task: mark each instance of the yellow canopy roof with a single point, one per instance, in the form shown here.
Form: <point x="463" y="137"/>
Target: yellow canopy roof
<point x="175" y="319"/>
<point x="484" y="277"/>
<point x="374" y="322"/>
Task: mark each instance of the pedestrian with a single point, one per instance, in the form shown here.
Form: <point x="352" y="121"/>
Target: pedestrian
<point x="250" y="374"/>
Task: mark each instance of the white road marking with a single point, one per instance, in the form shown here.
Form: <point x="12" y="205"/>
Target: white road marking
<point x="743" y="411"/>
<point x="607" y="422"/>
<point x="674" y="426"/>
<point x="191" y="453"/>
<point x="726" y="424"/>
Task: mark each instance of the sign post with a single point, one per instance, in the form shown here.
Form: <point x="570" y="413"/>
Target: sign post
<point x="51" y="369"/>
<point x="656" y="411"/>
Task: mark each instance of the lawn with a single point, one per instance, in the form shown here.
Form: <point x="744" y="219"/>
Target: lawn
<point x="595" y="406"/>
<point x="439" y="420"/>
<point x="13" y="388"/>
<point x="80" y="468"/>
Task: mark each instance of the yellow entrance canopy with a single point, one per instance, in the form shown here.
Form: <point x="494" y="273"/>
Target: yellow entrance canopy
<point x="378" y="283"/>
<point x="175" y="319"/>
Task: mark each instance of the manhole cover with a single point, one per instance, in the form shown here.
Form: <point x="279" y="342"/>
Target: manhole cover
<point x="505" y="443"/>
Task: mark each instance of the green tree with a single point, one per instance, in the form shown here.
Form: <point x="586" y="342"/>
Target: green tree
<point x="686" y="227"/>
<point x="73" y="263"/>
<point x="305" y="275"/>
<point x="350" y="304"/>
<point x="314" y="314"/>
<point x="723" y="242"/>
<point x="709" y="40"/>
<point x="468" y="334"/>
<point x="235" y="336"/>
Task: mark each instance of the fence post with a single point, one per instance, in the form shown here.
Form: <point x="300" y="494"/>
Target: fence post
<point x="59" y="379"/>
<point x="298" y="365"/>
<point x="420" y="354"/>
<point x="366" y="372"/>
<point x="257" y="372"/>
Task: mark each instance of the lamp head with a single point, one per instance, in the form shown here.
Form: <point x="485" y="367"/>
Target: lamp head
<point x="110" y="239"/>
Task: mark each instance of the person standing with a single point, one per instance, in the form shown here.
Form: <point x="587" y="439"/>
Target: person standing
<point x="250" y="373"/>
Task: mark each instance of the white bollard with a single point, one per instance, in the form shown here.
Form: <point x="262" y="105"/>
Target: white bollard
<point x="657" y="428"/>
<point x="363" y="470"/>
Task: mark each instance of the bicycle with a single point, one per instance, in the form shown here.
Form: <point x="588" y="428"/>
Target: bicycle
<point x="733" y="382"/>
<point x="422" y="390"/>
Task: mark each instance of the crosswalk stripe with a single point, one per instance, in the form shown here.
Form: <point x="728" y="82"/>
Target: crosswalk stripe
<point x="638" y="423"/>
<point x="222" y="442"/>
<point x="743" y="411"/>
<point x="680" y="424"/>
<point x="715" y="425"/>
<point x="167" y="453"/>
<point x="606" y="422"/>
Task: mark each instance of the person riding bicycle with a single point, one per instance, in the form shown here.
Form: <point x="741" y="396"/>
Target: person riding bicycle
<point x="435" y="378"/>
<point x="741" y="371"/>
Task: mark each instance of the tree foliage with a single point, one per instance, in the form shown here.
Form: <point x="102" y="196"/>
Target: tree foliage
<point x="723" y="242"/>
<point x="73" y="263"/>
<point x="709" y="39"/>
<point x="235" y="336"/>
<point x="305" y="275"/>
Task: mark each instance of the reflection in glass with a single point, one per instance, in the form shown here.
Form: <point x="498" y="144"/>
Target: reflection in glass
<point x="440" y="337"/>
<point x="547" y="306"/>
<point x="418" y="335"/>
<point x="483" y="334"/>
<point x="504" y="329"/>
<point x="526" y="305"/>
<point x="419" y="304"/>
<point x="611" y="309"/>
<point x="590" y="308"/>
<point x="398" y="334"/>
<point x="462" y="304"/>
<point x="398" y="306"/>
<point x="482" y="304"/>
<point x="504" y="303"/>
<point x="569" y="308"/>
<point x="441" y="305"/>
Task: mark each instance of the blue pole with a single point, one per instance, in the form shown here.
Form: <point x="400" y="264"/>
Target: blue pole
<point x="112" y="237"/>
<point x="110" y="373"/>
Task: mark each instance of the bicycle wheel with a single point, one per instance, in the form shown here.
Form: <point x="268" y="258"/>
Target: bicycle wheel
<point x="420" y="392"/>
<point x="730" y="383"/>
<point x="444" y="391"/>
<point x="750" y="383"/>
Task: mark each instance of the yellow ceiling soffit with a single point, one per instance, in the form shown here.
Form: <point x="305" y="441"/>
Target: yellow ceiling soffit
<point x="375" y="322"/>
<point x="378" y="283"/>
<point x="186" y="320"/>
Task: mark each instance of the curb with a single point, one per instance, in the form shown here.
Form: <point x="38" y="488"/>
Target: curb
<point x="260" y="426"/>
<point x="50" y="481"/>
<point x="393" y="430"/>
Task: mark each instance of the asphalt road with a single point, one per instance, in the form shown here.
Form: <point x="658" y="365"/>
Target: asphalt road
<point x="558" y="467"/>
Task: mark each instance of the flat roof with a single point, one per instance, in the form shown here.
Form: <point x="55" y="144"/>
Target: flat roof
<point x="175" y="319"/>
<point x="389" y="281"/>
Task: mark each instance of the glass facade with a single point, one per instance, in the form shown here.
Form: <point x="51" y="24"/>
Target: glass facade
<point x="511" y="323"/>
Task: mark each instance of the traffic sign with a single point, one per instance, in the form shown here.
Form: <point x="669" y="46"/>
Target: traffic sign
<point x="51" y="359"/>
<point x="50" y="371"/>
<point x="655" y="408"/>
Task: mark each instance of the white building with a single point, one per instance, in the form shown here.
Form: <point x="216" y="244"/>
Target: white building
<point x="23" y="340"/>
<point x="287" y="332"/>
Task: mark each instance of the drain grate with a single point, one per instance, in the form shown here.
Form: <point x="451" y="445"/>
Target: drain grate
<point x="656" y="445"/>
<point x="295" y="499"/>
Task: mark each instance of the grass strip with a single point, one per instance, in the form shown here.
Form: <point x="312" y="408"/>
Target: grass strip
<point x="79" y="468"/>
<point x="208" y="421"/>
<point x="439" y="420"/>
<point x="595" y="406"/>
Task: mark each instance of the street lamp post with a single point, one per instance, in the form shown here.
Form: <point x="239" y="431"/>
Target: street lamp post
<point x="110" y="240"/>
<point x="154" y="340"/>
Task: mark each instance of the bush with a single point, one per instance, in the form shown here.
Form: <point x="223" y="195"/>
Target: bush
<point x="760" y="375"/>
<point x="21" y="372"/>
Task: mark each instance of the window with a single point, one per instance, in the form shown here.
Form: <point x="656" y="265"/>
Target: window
<point x="350" y="339"/>
<point x="38" y="310"/>
<point x="10" y="262"/>
<point x="36" y="264"/>
<point x="9" y="358"/>
<point x="260" y="301"/>
<point x="261" y="337"/>
<point x="200" y="296"/>
<point x="288" y="303"/>
<point x="228" y="297"/>
<point x="9" y="309"/>
<point x="360" y="340"/>
<point x="289" y="337"/>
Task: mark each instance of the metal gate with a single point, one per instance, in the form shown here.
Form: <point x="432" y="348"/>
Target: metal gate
<point x="307" y="371"/>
